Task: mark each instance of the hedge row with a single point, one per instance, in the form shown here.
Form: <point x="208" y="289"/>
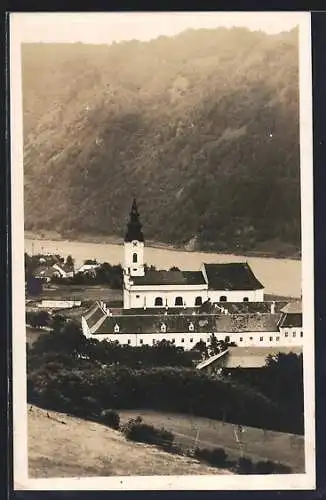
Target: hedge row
<point x="90" y="388"/>
<point x="136" y="430"/>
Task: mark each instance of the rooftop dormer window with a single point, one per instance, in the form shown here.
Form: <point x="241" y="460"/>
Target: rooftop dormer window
<point x="116" y="328"/>
<point x="191" y="327"/>
<point x="163" y="327"/>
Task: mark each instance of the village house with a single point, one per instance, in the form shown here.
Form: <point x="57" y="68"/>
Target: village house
<point x="54" y="268"/>
<point x="88" y="269"/>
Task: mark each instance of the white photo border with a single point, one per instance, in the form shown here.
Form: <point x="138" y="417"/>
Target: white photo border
<point x="303" y="481"/>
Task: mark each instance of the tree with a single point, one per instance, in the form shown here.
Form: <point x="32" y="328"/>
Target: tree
<point x="38" y="318"/>
<point x="202" y="348"/>
<point x="70" y="261"/>
<point x="117" y="277"/>
<point x="214" y="346"/>
<point x="149" y="268"/>
<point x="90" y="262"/>
<point x="33" y="286"/>
<point x="57" y="323"/>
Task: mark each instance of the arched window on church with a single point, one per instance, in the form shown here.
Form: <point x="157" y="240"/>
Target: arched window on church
<point x="198" y="301"/>
<point x="178" y="301"/>
<point x="158" y="301"/>
<point x="245" y="299"/>
<point x="223" y="298"/>
<point x="134" y="258"/>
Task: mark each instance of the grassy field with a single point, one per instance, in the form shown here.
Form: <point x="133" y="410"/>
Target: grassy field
<point x="255" y="443"/>
<point x="63" y="446"/>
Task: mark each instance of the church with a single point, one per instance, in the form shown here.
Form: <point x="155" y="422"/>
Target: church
<point x="147" y="289"/>
<point x="187" y="307"/>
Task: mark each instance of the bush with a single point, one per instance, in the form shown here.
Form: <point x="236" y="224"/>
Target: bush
<point x="136" y="430"/>
<point x="245" y="466"/>
<point x="216" y="456"/>
<point x="265" y="467"/>
<point x="110" y="418"/>
<point x="282" y="469"/>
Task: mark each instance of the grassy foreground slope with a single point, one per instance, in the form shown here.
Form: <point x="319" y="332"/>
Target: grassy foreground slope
<point x="64" y="446"/>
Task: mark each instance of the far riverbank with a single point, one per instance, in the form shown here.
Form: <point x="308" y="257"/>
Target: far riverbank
<point x="287" y="252"/>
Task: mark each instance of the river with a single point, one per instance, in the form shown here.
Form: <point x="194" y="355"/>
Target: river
<point x="280" y="276"/>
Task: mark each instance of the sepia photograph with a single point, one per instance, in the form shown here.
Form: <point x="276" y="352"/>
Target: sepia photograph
<point x="162" y="251"/>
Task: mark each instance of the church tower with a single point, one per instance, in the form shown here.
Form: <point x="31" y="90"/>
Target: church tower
<point x="134" y="245"/>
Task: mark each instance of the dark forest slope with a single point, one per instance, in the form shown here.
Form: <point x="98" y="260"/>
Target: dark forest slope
<point x="203" y="128"/>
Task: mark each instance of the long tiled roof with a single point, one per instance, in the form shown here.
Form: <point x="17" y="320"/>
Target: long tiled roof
<point x="170" y="278"/>
<point x="231" y="276"/>
<point x="100" y="323"/>
<point x="152" y="324"/>
<point x="94" y="315"/>
<point x="249" y="307"/>
<point x="291" y="320"/>
<point x="238" y="323"/>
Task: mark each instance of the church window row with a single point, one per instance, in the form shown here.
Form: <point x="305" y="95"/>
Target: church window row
<point x="179" y="301"/>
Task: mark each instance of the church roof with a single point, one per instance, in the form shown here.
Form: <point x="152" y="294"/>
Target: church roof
<point x="231" y="276"/>
<point x="170" y="278"/>
<point x="134" y="228"/>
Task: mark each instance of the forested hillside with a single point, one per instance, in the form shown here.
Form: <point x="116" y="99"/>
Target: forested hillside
<point x="202" y="128"/>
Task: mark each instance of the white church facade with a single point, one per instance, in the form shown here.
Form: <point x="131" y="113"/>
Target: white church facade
<point x="143" y="289"/>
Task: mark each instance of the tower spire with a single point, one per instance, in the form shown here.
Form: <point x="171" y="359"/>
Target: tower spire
<point x="134" y="228"/>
